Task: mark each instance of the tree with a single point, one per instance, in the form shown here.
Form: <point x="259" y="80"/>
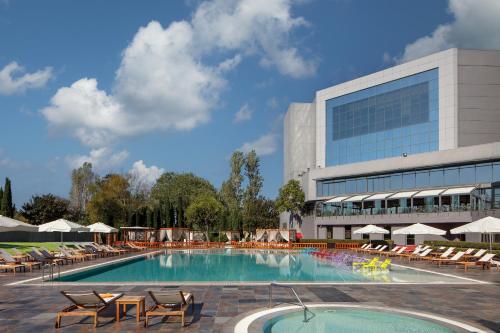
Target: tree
<point x="266" y="214"/>
<point x="204" y="212"/>
<point x="291" y="199"/>
<point x="82" y="180"/>
<point x="1" y="196"/>
<point x="45" y="208"/>
<point x="7" y="207"/>
<point x="255" y="180"/>
<point x="174" y="192"/>
<point x="231" y="193"/>
<point x="111" y="201"/>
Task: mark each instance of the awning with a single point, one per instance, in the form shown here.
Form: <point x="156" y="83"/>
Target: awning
<point x="459" y="190"/>
<point x="336" y="199"/>
<point x="400" y="195"/>
<point x="429" y="193"/>
<point x="357" y="198"/>
<point x="379" y="196"/>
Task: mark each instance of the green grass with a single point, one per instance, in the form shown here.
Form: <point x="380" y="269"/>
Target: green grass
<point x="26" y="246"/>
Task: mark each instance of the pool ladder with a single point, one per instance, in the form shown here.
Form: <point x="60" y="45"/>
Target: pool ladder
<point x="50" y="271"/>
<point x="300" y="303"/>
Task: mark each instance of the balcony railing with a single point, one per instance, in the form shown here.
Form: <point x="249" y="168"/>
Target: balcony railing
<point x="397" y="210"/>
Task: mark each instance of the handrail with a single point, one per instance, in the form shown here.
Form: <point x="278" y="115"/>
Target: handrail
<point x="302" y="305"/>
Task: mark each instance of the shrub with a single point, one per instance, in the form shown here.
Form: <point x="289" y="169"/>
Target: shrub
<point x="464" y="245"/>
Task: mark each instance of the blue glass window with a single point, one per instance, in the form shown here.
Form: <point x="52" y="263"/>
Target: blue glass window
<point x="484" y="173"/>
<point x="383" y="121"/>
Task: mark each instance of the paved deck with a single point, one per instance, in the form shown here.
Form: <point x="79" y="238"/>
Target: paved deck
<point x="26" y="308"/>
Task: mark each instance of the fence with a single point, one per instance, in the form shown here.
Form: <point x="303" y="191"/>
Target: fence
<point x="23" y="236"/>
<point x="240" y="245"/>
<point x="180" y="245"/>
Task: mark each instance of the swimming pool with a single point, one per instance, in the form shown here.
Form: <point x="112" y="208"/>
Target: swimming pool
<point x="234" y="265"/>
<point x="346" y="318"/>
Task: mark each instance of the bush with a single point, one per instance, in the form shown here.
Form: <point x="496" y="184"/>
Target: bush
<point x="463" y="245"/>
<point x="359" y="241"/>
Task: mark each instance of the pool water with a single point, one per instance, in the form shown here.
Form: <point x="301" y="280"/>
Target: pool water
<point x="350" y="321"/>
<point x="233" y="265"/>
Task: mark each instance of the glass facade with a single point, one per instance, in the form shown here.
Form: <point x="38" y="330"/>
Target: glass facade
<point x="383" y="121"/>
<point x="417" y="179"/>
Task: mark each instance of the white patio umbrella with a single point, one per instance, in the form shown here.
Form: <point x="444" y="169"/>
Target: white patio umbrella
<point x="486" y="225"/>
<point x="371" y="229"/>
<point x="8" y="224"/>
<point x="62" y="226"/>
<point x="102" y="228"/>
<point x="419" y="229"/>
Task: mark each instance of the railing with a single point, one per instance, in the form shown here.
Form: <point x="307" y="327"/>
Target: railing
<point x="300" y="303"/>
<point x="397" y="210"/>
<point x="277" y="245"/>
<point x="50" y="268"/>
<point x="180" y="245"/>
<point x="344" y="246"/>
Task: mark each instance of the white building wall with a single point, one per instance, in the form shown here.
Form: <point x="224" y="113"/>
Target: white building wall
<point x="478" y="97"/>
<point x="299" y="140"/>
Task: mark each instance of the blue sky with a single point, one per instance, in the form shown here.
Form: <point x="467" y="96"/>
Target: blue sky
<point x="144" y="87"/>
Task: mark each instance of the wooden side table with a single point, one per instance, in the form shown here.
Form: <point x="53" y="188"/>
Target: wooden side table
<point x="138" y="301"/>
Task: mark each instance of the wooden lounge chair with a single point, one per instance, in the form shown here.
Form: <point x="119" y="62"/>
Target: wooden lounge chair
<point x="12" y="267"/>
<point x="395" y="253"/>
<point x="85" y="304"/>
<point x="12" y="261"/>
<point x="446" y="261"/>
<point x="484" y="262"/>
<point x="380" y="250"/>
<point x="18" y="255"/>
<point x="443" y="255"/>
<point x="40" y="258"/>
<point x="169" y="304"/>
<point x="419" y="256"/>
<point x="70" y="255"/>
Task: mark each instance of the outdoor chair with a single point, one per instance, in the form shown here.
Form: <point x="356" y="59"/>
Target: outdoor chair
<point x="36" y="255"/>
<point x="170" y="304"/>
<point x="419" y="256"/>
<point x="484" y="262"/>
<point x="12" y="261"/>
<point x="85" y="304"/>
<point x="446" y="261"/>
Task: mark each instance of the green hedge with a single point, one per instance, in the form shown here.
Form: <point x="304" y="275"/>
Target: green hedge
<point x="464" y="245"/>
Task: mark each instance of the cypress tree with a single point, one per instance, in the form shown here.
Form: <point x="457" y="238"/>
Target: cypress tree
<point x="7" y="208"/>
<point x="1" y="195"/>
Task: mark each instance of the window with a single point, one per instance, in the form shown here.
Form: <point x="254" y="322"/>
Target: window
<point x="496" y="172"/>
<point x="408" y="180"/>
<point x="383" y="121"/>
<point x="468" y="175"/>
<point x="451" y="176"/>
<point x="484" y="173"/>
<point x="422" y="179"/>
<point x="436" y="177"/>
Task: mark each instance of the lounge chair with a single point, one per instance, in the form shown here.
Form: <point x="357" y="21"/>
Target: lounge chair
<point x="59" y="255"/>
<point x="368" y="250"/>
<point x="379" y="250"/>
<point x="18" y="255"/>
<point x="419" y="256"/>
<point x="479" y="253"/>
<point x="364" y="246"/>
<point x="363" y="263"/>
<point x="446" y="261"/>
<point x="12" y="261"/>
<point x="170" y="304"/>
<point x="396" y="253"/>
<point x="373" y="266"/>
<point x="85" y="304"/>
<point x="484" y="262"/>
<point x="70" y="255"/>
<point x="35" y="254"/>
<point x="415" y="252"/>
<point x="443" y="255"/>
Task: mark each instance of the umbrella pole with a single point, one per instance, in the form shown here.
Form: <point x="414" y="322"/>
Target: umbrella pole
<point x="61" y="238"/>
<point x="491" y="242"/>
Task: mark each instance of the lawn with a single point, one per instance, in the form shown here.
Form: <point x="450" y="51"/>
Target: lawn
<point x="26" y="246"/>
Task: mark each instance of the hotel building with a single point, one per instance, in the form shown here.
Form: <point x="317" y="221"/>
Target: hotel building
<point x="417" y="142"/>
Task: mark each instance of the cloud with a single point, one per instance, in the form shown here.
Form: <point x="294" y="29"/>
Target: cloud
<point x="13" y="81"/>
<point x="265" y="145"/>
<point x="102" y="159"/>
<point x="475" y="26"/>
<point x="243" y="114"/>
<point x="165" y="80"/>
<point x="142" y="175"/>
<point x="273" y="103"/>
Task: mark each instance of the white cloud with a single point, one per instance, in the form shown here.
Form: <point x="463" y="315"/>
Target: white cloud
<point x="265" y="145"/>
<point x="243" y="114"/>
<point x="476" y="25"/>
<point x="163" y="82"/>
<point x="13" y="81"/>
<point x="144" y="176"/>
<point x="102" y="159"/>
<point x="230" y="64"/>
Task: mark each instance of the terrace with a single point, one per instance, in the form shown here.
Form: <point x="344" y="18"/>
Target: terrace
<point x="32" y="306"/>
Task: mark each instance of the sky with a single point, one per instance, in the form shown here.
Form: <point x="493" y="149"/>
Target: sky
<point x="144" y="87"/>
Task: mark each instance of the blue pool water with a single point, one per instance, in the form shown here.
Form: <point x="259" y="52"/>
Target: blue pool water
<point x="351" y="321"/>
<point x="229" y="265"/>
